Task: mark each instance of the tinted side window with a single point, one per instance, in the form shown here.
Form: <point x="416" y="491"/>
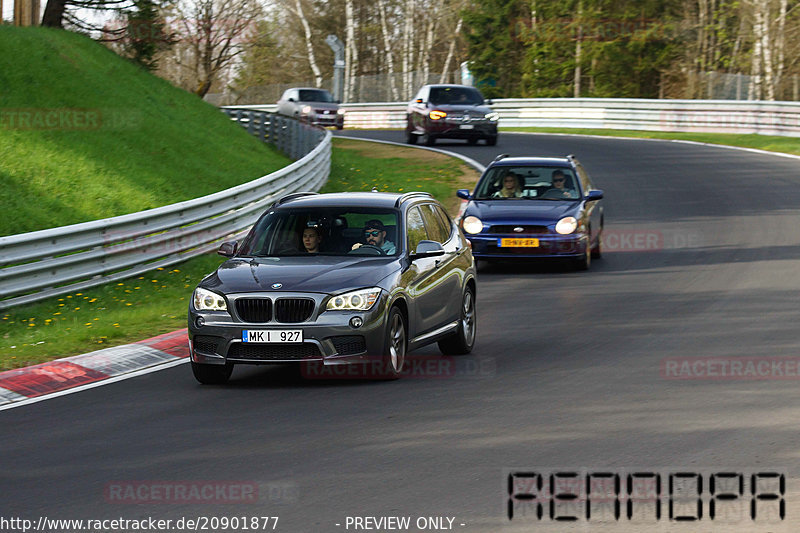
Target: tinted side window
<point x="436" y="228"/>
<point x="446" y="220"/>
<point x="416" y="229"/>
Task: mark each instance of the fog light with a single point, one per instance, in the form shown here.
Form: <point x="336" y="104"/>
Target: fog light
<point x="356" y="322"/>
<point x="200" y="322"/>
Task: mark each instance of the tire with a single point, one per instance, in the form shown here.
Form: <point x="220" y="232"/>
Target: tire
<point x="472" y="141"/>
<point x="462" y="341"/>
<point x="585" y="260"/>
<point x="491" y="141"/>
<point x="411" y="138"/>
<point x="597" y="251"/>
<point x="339" y="128"/>
<point x="428" y="140"/>
<point x="395" y="345"/>
<point x="212" y="374"/>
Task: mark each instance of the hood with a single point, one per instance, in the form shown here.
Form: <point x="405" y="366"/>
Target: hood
<point x="541" y="212"/>
<point x="318" y="274"/>
<point x="461" y="109"/>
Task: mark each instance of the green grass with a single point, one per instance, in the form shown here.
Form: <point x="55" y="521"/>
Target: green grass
<point x="157" y="302"/>
<point x="140" y="143"/>
<point x="772" y="143"/>
<point x="360" y="166"/>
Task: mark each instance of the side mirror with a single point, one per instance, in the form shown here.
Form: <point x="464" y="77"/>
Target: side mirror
<point x="489" y="102"/>
<point x="228" y="249"/>
<point x="291" y="99"/>
<point x="464" y="193"/>
<point x="594" y="194"/>
<point x="427" y="249"/>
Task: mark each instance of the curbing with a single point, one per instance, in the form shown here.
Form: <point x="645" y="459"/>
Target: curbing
<point x="71" y="374"/>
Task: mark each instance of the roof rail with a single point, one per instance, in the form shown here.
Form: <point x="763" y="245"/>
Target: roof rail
<point x="292" y="196"/>
<point x="409" y="195"/>
<point x="499" y="157"/>
<point x="570" y="156"/>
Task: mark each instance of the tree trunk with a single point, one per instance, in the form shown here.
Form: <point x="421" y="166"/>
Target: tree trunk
<point x="451" y="51"/>
<point x="578" y="41"/>
<point x="54" y="13"/>
<point x="387" y="47"/>
<point x="408" y="49"/>
<point x="755" y="91"/>
<point x="312" y="59"/>
<point x="351" y="52"/>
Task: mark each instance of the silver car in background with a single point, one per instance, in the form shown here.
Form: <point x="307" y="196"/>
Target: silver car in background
<point x="316" y="106"/>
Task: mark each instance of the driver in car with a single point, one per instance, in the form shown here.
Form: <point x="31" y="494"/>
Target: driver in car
<point x="559" y="186"/>
<point x="375" y="235"/>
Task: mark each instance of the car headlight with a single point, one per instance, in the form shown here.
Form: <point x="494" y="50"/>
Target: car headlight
<point x="307" y="110"/>
<point x="566" y="225"/>
<point x="492" y="116"/>
<point x="436" y="115"/>
<point x="205" y="300"/>
<point x="472" y="224"/>
<point x="340" y="111"/>
<point x="360" y="300"/>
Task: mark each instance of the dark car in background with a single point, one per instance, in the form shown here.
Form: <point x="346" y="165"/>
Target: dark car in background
<point x="337" y="279"/>
<point x="316" y="106"/>
<point x="450" y="112"/>
<point x="534" y="207"/>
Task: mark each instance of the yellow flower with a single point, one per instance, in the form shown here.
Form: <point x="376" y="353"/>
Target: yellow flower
<point x="78" y="294"/>
<point x="54" y="314"/>
<point x="128" y="304"/>
<point x="93" y="300"/>
<point x="120" y="284"/>
<point x="88" y="324"/>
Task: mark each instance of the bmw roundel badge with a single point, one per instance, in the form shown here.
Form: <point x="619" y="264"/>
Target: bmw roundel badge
<point x="277" y="285"/>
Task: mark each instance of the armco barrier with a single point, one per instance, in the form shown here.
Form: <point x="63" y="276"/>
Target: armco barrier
<point x="719" y="116"/>
<point x="56" y="261"/>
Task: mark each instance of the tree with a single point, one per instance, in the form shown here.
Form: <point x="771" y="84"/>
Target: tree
<point x="214" y="33"/>
<point x="146" y="34"/>
<point x="494" y="31"/>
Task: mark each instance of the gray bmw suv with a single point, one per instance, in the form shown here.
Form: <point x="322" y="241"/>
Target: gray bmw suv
<point x="337" y="279"/>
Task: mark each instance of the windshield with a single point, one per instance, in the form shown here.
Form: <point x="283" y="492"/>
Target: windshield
<point x="314" y="95"/>
<point x="455" y="96"/>
<point x="528" y="182"/>
<point x="323" y="231"/>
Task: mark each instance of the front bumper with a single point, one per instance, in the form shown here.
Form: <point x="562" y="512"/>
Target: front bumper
<point x="550" y="246"/>
<point x="327" y="120"/>
<point x="457" y="129"/>
<point x="328" y="336"/>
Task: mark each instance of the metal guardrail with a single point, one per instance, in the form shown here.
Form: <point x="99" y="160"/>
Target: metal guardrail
<point x="718" y="116"/>
<point x="51" y="262"/>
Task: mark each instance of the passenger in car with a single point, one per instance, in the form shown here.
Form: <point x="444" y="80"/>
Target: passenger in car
<point x="511" y="187"/>
<point x="375" y="235"/>
<point x="311" y="240"/>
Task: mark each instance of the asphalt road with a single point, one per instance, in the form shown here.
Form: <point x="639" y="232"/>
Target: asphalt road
<point x="571" y="371"/>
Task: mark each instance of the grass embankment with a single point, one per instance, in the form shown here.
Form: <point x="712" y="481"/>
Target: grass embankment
<point x="772" y="143"/>
<point x="86" y="135"/>
<point x="157" y="302"/>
